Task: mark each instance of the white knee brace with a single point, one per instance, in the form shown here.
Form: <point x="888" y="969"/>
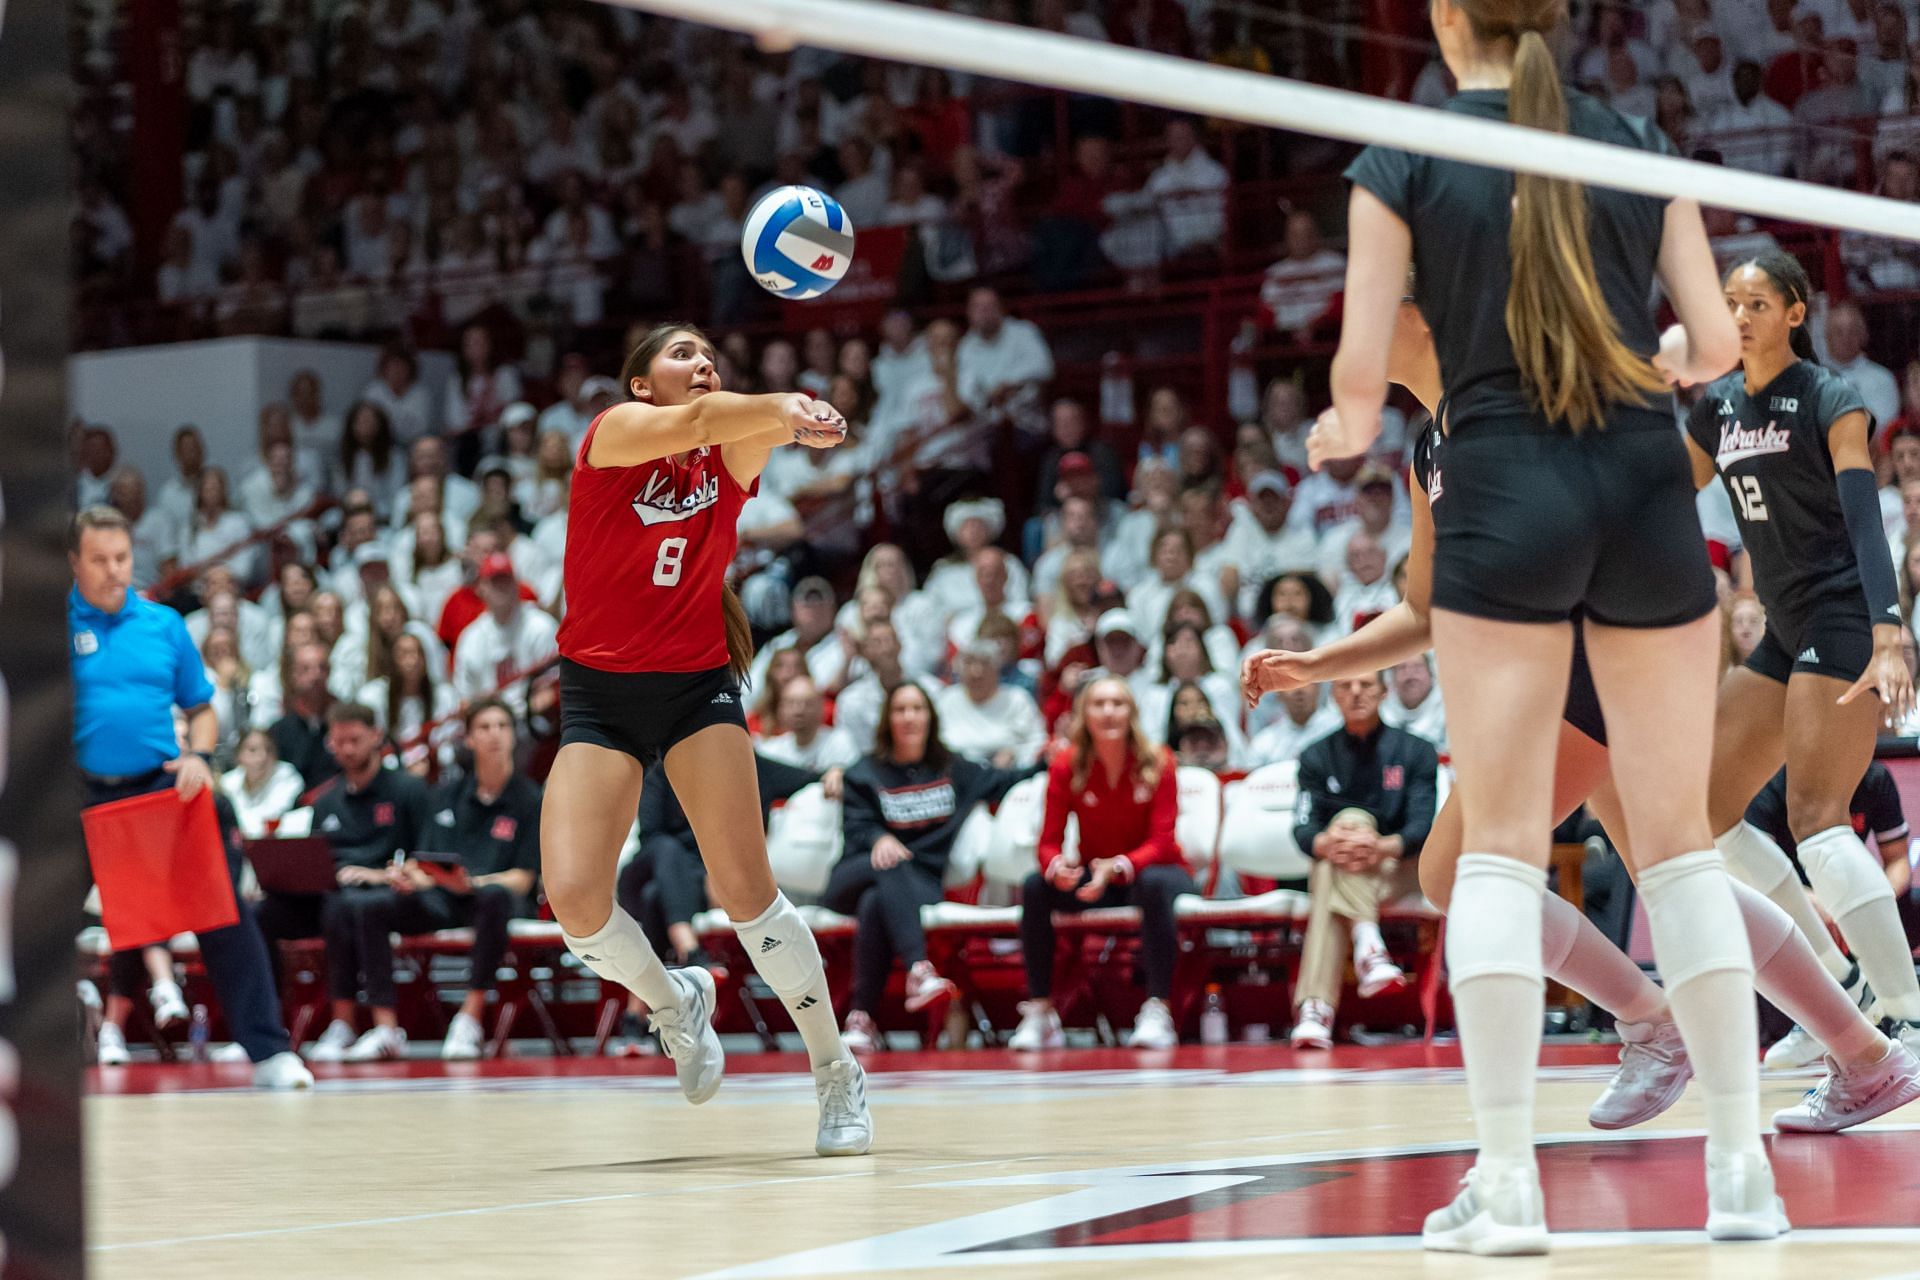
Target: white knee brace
<point x="1752" y="856"/>
<point x="782" y="948"/>
<point x="1844" y="874"/>
<point x="1695" y="923"/>
<point x="1494" y="919"/>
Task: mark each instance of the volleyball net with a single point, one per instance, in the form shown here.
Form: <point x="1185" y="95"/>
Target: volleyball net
<point x="1054" y="60"/>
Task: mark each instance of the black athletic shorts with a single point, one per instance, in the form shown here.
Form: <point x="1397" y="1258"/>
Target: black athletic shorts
<point x="1583" y="701"/>
<point x="1836" y="641"/>
<point x="644" y="713"/>
<point x="1537" y="525"/>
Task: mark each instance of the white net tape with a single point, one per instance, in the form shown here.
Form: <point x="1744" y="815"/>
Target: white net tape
<point x="879" y="29"/>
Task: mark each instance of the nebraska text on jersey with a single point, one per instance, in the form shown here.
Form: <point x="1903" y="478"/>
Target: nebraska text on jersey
<point x="917" y="806"/>
<point x="1737" y="442"/>
<point x="659" y="503"/>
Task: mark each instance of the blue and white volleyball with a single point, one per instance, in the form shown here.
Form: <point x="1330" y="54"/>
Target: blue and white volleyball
<point x="798" y="242"/>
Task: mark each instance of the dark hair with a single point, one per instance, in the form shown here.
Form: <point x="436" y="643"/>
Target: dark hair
<point x="638" y="361"/>
<point x="381" y="449"/>
<point x="937" y="756"/>
<point x="472" y="713"/>
<point x="352" y="713"/>
<point x="396" y="697"/>
<point x="1175" y="631"/>
<point x="1319" y="599"/>
<point x="1173" y="714"/>
<point x="1566" y="341"/>
<point x="1789" y="279"/>
<point x="97" y="517"/>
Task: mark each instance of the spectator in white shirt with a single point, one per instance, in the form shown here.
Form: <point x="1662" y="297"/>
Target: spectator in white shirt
<point x="156" y="538"/>
<point x="183" y="279"/>
<point x="1182" y="207"/>
<point x="1128" y="558"/>
<point x="1373" y="507"/>
<point x="1415" y="703"/>
<point x="316" y="432"/>
<point x="1847" y="356"/>
<point x="212" y="238"/>
<point x="864" y="192"/>
<point x="1754" y="132"/>
<point x="274" y="492"/>
<point x="813" y="634"/>
<point x="400" y="394"/>
<point x="985" y="720"/>
<point x="1366" y="589"/>
<point x="1184" y="660"/>
<point x="1883" y="264"/>
<point x="261" y="787"/>
<point x="1173" y="571"/>
<point x="216" y="529"/>
<point x="224" y="607"/>
<point x="1284" y="415"/>
<point x="1003" y="365"/>
<point x="1080" y="530"/>
<point x="1706" y="73"/>
<point x="1300" y="287"/>
<point x="509" y="638"/>
<point x="98" y="452"/>
<point x="1330" y="497"/>
<point x="1079" y="598"/>
<point x="1303" y="721"/>
<point x="805" y="742"/>
<point x="856" y="712"/>
<point x="991" y="595"/>
<point x="1260" y="542"/>
<point x="427" y="459"/>
<point x="969" y="526"/>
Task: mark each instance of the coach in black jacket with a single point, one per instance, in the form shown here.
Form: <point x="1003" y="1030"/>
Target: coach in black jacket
<point x="1366" y="804"/>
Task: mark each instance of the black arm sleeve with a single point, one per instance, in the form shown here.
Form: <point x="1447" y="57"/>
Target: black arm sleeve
<point x="1860" y="502"/>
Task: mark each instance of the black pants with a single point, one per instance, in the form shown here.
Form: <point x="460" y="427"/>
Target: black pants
<point x="1153" y="891"/>
<point x="885" y="906"/>
<point x="664" y="884"/>
<point x="296" y="917"/>
<point x="370" y="916"/>
<point x="235" y="957"/>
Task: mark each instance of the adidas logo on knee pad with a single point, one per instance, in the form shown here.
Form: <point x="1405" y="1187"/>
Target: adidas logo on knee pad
<point x="768" y="944"/>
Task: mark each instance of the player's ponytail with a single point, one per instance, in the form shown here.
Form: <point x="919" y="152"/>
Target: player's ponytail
<point x="1789" y="280"/>
<point x="1564" y="336"/>
<point x="739" y="635"/>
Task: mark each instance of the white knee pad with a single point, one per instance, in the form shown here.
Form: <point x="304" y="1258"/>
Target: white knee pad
<point x="1694" y="920"/>
<point x="1753" y="857"/>
<point x="782" y="948"/>
<point x="1844" y="874"/>
<point x="1493" y="922"/>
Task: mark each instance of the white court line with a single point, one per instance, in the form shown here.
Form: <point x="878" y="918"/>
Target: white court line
<point x="536" y="1204"/>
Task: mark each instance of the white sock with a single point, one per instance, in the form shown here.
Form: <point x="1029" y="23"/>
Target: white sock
<point x="620" y="953"/>
<point x="784" y="952"/>
<point x="1366" y="937"/>
<point x="1493" y="955"/>
<point x="1700" y="944"/>
<point x="1752" y="856"/>
<point x="1850" y="881"/>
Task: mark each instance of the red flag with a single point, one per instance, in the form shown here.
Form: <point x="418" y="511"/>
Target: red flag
<point x="160" y="866"/>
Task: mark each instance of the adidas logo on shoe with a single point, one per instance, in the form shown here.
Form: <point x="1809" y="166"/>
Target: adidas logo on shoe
<point x="768" y="944"/>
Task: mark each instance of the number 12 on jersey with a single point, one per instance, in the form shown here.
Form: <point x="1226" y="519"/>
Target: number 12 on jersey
<point x="666" y="567"/>
<point x="1746" y="494"/>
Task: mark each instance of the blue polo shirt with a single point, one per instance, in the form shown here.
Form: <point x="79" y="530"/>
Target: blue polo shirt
<point x="130" y="670"/>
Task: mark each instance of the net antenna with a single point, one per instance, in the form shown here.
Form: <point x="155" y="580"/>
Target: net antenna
<point x="900" y="33"/>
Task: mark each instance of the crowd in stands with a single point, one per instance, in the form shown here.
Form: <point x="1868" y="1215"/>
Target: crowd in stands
<point x="992" y="538"/>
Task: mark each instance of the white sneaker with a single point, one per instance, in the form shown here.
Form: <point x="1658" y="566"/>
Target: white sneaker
<point x="1039" y="1029"/>
<point x="862" y="1033"/>
<point x="687" y="1035"/>
<point x="925" y="988"/>
<point x="283" y="1071"/>
<point x="1377" y="974"/>
<point x="1653" y="1073"/>
<point x="228" y="1053"/>
<point x="169" y="1005"/>
<point x="1494" y="1215"/>
<point x="1313" y="1026"/>
<point x="1850" y="1097"/>
<point x="464" y="1038"/>
<point x="379" y="1044"/>
<point x="333" y="1043"/>
<point x="1741" y="1204"/>
<point x="1794" y="1050"/>
<point x="1153" y="1027"/>
<point x="113" y="1046"/>
<point x="846" y="1126"/>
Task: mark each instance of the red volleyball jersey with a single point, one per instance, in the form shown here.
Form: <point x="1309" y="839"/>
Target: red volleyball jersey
<point x="648" y="549"/>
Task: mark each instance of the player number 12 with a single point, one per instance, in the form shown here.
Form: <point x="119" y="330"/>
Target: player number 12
<point x="1746" y="492"/>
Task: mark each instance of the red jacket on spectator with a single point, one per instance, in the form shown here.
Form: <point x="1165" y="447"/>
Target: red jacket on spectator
<point x="1125" y="821"/>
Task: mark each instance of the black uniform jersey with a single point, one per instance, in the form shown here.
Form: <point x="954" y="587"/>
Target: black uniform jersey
<point x="1460" y="215"/>
<point x="1875" y="810"/>
<point x="1770" y="448"/>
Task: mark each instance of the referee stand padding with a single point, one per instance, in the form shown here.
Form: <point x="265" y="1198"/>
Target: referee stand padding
<point x="1236" y="833"/>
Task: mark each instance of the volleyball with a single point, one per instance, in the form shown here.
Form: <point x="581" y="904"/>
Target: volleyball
<point x="798" y="242"/>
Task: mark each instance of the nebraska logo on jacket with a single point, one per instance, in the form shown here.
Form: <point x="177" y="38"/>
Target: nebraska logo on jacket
<point x="662" y="503"/>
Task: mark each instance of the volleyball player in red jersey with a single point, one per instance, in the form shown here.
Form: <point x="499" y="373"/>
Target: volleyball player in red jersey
<point x="652" y="653"/>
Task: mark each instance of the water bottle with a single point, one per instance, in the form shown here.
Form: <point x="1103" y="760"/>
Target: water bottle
<point x="197" y="1033"/>
<point x="1213" y="1017"/>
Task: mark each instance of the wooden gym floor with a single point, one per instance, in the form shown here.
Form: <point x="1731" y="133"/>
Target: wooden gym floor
<point x="1246" y="1161"/>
